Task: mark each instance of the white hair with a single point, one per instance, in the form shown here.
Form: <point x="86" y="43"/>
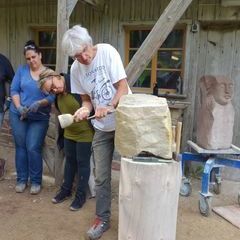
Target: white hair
<point x="75" y="39"/>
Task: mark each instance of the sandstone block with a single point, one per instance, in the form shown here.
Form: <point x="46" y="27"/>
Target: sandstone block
<point x="143" y="124"/>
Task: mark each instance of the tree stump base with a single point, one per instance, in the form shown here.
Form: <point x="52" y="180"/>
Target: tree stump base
<point x="148" y="200"/>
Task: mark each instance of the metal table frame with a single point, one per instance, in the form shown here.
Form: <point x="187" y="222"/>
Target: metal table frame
<point x="213" y="160"/>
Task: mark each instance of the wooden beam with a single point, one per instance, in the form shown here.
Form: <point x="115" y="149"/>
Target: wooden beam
<point x="155" y="39"/>
<point x="62" y="26"/>
<point x="64" y="10"/>
<point x="91" y="2"/>
<point x="70" y="6"/>
<point x="230" y="3"/>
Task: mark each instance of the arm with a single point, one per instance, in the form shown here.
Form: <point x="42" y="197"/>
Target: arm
<point x="9" y="76"/>
<point x="16" y="100"/>
<point x="117" y="75"/>
<point x="15" y="88"/>
<point x="86" y="102"/>
<point x="122" y="89"/>
<point x="84" y="111"/>
<point x="47" y="101"/>
<point x="41" y="103"/>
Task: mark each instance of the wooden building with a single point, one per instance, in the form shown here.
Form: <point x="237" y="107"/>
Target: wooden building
<point x="206" y="40"/>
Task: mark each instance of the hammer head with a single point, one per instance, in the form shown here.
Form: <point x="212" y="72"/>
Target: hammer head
<point x="65" y="120"/>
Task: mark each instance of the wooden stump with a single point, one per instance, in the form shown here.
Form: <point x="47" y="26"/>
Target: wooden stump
<point x="148" y="200"/>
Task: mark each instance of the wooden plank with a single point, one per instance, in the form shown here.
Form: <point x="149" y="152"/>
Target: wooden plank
<point x="227" y="53"/>
<point x="190" y="84"/>
<point x="232" y="150"/>
<point x="156" y="37"/>
<point x="227" y="3"/>
<point x="213" y="52"/>
<point x="235" y="75"/>
<point x="178" y="137"/>
<point x="230" y="213"/>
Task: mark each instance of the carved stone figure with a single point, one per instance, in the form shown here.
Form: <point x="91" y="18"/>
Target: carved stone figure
<point x="216" y="113"/>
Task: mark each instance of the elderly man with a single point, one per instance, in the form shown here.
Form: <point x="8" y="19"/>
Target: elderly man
<point x="98" y="75"/>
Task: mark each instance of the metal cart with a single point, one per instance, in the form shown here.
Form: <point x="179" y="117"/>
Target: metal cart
<point x="213" y="160"/>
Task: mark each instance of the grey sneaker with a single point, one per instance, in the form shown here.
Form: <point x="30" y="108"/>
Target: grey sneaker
<point x="20" y="187"/>
<point x="35" y="189"/>
<point x="97" y="229"/>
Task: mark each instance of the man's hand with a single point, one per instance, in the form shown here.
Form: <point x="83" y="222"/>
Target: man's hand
<point x="34" y="106"/>
<point x="81" y="114"/>
<point x="102" y="112"/>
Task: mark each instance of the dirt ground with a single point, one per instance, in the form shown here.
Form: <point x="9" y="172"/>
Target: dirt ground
<point x="27" y="217"/>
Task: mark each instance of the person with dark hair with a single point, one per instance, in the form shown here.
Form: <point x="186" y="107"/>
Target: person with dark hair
<point x="29" y="119"/>
<point x="6" y="76"/>
<point x="77" y="139"/>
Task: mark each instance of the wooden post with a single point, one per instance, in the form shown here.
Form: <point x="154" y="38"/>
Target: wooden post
<point x="178" y="137"/>
<point x="148" y="200"/>
<point x="65" y="8"/>
<point x="155" y="38"/>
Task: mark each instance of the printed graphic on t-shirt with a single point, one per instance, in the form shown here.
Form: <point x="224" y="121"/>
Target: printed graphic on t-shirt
<point x="102" y="92"/>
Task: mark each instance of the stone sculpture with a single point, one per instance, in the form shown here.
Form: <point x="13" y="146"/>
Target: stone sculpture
<point x="216" y="113"/>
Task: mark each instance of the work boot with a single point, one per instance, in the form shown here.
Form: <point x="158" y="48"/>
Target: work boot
<point x="97" y="229"/>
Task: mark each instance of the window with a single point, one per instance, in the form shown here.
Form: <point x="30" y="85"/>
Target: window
<point x="46" y="39"/>
<point x="166" y="66"/>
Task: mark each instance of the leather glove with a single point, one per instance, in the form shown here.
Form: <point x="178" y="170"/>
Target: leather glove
<point x="34" y="106"/>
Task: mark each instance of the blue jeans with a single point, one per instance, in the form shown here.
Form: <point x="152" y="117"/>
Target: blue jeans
<point x="77" y="161"/>
<point x="29" y="137"/>
<point x="103" y="147"/>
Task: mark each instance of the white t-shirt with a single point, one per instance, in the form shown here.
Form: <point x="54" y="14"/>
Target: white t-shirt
<point x="97" y="79"/>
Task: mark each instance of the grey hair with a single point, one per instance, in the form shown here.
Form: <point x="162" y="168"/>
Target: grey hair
<point x="75" y="39"/>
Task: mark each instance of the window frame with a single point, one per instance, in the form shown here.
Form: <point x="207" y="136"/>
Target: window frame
<point x="36" y="31"/>
<point x="154" y="68"/>
<point x="37" y="41"/>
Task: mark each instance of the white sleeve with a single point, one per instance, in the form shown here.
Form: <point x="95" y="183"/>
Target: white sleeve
<point x="117" y="71"/>
<point x="75" y="80"/>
